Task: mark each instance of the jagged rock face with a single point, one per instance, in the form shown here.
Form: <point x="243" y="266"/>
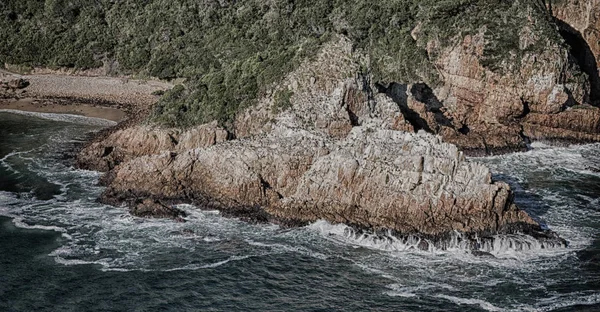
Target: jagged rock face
<point x="494" y="107"/>
<point x="481" y="111"/>
<point x="584" y="17"/>
<point x="126" y="144"/>
<point x="328" y="96"/>
<point x="580" y="124"/>
<point x="579" y="24"/>
<point x="374" y="178"/>
<point x="343" y="149"/>
<point x="401" y="181"/>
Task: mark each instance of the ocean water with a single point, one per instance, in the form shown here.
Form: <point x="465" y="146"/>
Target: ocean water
<point x="60" y="250"/>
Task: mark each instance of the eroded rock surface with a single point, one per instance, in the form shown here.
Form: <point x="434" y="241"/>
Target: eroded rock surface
<point x="344" y="150"/>
<point x="374" y="178"/>
<point x="128" y="143"/>
<point x="491" y="110"/>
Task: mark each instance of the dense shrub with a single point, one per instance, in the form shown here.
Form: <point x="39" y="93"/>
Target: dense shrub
<point x="231" y="51"/>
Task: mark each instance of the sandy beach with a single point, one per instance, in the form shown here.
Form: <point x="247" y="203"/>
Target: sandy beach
<point x="42" y="106"/>
<point x="111" y="98"/>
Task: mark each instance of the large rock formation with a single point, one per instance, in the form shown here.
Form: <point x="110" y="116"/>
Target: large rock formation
<point x="337" y="148"/>
<point x="582" y="19"/>
<point x="547" y="97"/>
<point x="374" y="178"/>
<point x="125" y="144"/>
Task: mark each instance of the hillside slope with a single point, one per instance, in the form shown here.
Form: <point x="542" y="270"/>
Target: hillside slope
<point x="487" y="75"/>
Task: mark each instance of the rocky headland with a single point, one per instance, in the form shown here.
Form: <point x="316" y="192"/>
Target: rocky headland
<point x="331" y="142"/>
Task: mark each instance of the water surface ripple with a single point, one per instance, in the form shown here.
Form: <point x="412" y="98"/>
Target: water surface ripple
<point x="60" y="250"/>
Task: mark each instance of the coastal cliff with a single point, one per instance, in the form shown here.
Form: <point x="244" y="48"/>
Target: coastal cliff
<point x="354" y="113"/>
<point x="331" y="152"/>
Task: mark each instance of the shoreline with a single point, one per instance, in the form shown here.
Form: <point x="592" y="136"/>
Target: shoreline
<point x="30" y="105"/>
<point x="64" y="117"/>
<point x="117" y="90"/>
<point x="117" y="99"/>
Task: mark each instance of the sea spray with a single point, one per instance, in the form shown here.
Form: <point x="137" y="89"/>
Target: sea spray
<point x="500" y="245"/>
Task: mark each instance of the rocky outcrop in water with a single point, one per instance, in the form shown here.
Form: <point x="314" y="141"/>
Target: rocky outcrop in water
<point x="374" y="178"/>
<point x="341" y="150"/>
<point x="148" y="208"/>
<point x="128" y="143"/>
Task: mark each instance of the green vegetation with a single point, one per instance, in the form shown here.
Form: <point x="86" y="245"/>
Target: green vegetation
<point x="231" y="52"/>
<point x="282" y="101"/>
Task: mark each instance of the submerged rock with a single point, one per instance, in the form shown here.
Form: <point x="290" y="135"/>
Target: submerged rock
<point x="149" y="208"/>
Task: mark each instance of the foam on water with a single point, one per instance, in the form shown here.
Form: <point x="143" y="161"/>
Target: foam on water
<point x="70" y="118"/>
<point x="108" y="237"/>
<point x="209" y="266"/>
<point x="469" y="301"/>
<point x="501" y="246"/>
<point x="18" y="222"/>
<point x="567" y="300"/>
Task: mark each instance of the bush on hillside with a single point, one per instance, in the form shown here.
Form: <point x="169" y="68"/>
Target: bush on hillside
<point x="230" y="52"/>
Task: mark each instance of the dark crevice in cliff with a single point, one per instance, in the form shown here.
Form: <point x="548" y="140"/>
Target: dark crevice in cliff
<point x="364" y="81"/>
<point x="526" y="109"/>
<point x="524" y="137"/>
<point x="397" y="92"/>
<point x="266" y="187"/>
<point x="349" y="103"/>
<point x="353" y="118"/>
<point x="107" y="151"/>
<point x="464" y="129"/>
<point x="485" y="145"/>
<point x="570" y="101"/>
<point x="173" y="140"/>
<point x="583" y="55"/>
<point x="424" y="94"/>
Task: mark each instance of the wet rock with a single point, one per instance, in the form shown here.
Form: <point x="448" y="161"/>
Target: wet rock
<point x="483" y="254"/>
<point x="149" y="208"/>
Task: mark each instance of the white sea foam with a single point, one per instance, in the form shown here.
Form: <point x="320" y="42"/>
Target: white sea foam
<point x="469" y="301"/>
<point x="501" y="246"/>
<point x="208" y="266"/>
<point x="7" y="199"/>
<point x="18" y="222"/>
<point x="70" y="118"/>
<point x="4" y="160"/>
<point x="108" y="266"/>
<point x="289" y="248"/>
<point x="566" y="300"/>
<point x="425" y="288"/>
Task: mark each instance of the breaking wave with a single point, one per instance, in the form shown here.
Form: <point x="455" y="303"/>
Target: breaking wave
<point x="500" y="246"/>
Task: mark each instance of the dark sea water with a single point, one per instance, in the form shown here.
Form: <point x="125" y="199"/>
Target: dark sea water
<point x="60" y="250"/>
